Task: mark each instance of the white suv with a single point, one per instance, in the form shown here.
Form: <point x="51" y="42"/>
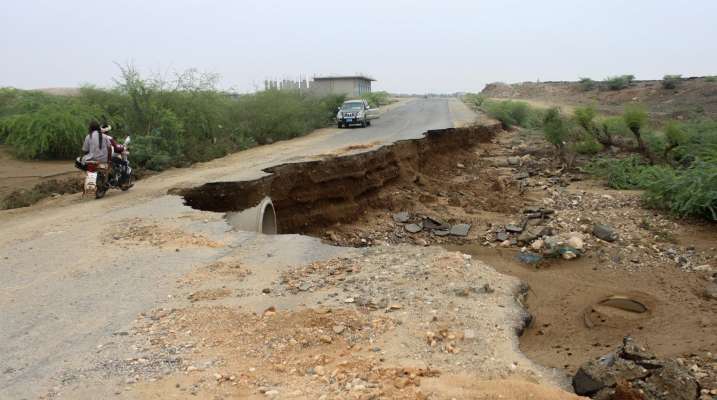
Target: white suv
<point x="355" y="112"/>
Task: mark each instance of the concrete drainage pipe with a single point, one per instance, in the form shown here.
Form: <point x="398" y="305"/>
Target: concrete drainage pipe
<point x="260" y="218"/>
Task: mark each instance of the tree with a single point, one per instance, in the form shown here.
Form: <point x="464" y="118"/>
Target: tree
<point x="635" y="118"/>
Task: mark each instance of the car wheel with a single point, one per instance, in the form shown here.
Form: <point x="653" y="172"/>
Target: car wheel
<point x="339" y="125"/>
<point x="368" y="123"/>
<point x="363" y="124"/>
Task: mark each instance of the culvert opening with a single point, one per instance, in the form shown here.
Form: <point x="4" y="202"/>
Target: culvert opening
<point x="260" y="218"/>
<point x="321" y="197"/>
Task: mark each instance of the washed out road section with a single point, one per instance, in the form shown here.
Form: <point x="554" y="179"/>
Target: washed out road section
<point x="75" y="273"/>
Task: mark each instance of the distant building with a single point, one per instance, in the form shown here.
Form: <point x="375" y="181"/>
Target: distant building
<point x="351" y="86"/>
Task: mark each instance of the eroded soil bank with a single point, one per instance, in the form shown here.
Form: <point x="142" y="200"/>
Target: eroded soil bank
<point x="488" y="179"/>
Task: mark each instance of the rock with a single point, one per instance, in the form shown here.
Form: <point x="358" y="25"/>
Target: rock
<point x="266" y="290"/>
<point x="460" y="229"/>
<point x="271" y="393"/>
<point x="671" y="382"/>
<point x="505" y="243"/>
<point x="529" y="258"/>
<point x="604" y="372"/>
<point x="304" y="286"/>
<point x="632" y="369"/>
<point x="521" y="175"/>
<point x="513" y="228"/>
<point x="325" y="338"/>
<point x="441" y="232"/>
<point x="461" y="166"/>
<point x="421" y="242"/>
<point x="576" y="242"/>
<point x="711" y="291"/>
<point x="401" y="217"/>
<point x="568" y="255"/>
<point x="605" y="232"/>
<point x="431" y="224"/>
<point x="514" y="161"/>
<point x="413" y="228"/>
<point x="469" y="334"/>
<point x="501" y="236"/>
<point x="537" y="245"/>
<point x="339" y="329"/>
<point x="530" y="234"/>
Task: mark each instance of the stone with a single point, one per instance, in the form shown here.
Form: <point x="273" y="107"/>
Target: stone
<point x="530" y="234"/>
<point x="469" y="334"/>
<point x="266" y="290"/>
<point x="514" y="161"/>
<point x="460" y="229"/>
<point x="576" y="242"/>
<point x="461" y="166"/>
<point x="501" y="236"/>
<point x="710" y="292"/>
<point x="605" y="232"/>
<point x="430" y="223"/>
<point x="339" y="329"/>
<point x="506" y="243"/>
<point x="604" y="372"/>
<point x="537" y="245"/>
<point x="441" y="232"/>
<point x="513" y="228"/>
<point x="325" y="338"/>
<point x="521" y="175"/>
<point x="672" y="382"/>
<point x="271" y="393"/>
<point x="401" y="217"/>
<point x="568" y="255"/>
<point x="413" y="228"/>
<point x="304" y="286"/>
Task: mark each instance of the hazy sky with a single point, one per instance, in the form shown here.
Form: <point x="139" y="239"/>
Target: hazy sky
<point x="408" y="46"/>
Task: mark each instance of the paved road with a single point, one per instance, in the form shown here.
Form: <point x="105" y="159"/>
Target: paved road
<point x="68" y="285"/>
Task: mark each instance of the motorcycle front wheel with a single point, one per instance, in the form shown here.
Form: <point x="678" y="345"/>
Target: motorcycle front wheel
<point x="128" y="183"/>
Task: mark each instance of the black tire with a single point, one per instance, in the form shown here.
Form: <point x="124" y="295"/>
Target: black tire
<point x="339" y="125"/>
<point x="102" y="187"/>
<point x="363" y="123"/>
<point x="127" y="185"/>
<point x="368" y="123"/>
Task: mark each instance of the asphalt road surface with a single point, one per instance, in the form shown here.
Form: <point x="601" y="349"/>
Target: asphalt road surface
<point x="71" y="285"/>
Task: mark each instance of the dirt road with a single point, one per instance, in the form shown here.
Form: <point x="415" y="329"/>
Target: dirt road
<point x="76" y="273"/>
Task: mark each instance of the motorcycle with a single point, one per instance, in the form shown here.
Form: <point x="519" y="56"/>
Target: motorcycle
<point x="117" y="174"/>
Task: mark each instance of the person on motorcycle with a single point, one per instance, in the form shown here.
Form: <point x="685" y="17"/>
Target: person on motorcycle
<point x="96" y="146"/>
<point x="119" y="165"/>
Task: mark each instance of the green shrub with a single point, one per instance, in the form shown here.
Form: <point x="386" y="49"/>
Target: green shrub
<point x="671" y="81"/>
<point x="377" y="99"/>
<point x="474" y="100"/>
<point x="588" y="145"/>
<point x="587" y="84"/>
<point x="686" y="192"/>
<point x="628" y="173"/>
<point x="584" y="116"/>
<point x="711" y="78"/>
<point x="51" y="132"/>
<point x="619" y="82"/>
<point x="513" y="113"/>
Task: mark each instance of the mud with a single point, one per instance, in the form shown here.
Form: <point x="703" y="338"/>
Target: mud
<point x="319" y="193"/>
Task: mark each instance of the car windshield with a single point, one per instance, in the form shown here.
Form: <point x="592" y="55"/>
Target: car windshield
<point x="352" y="106"/>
